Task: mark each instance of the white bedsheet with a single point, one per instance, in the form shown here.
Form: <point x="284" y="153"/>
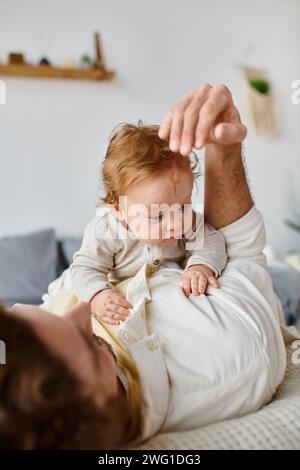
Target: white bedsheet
<point x="275" y="426"/>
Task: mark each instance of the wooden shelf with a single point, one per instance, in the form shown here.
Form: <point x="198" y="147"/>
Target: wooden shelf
<point x="46" y="71"/>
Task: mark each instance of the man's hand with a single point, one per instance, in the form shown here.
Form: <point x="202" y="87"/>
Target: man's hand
<point x="196" y="279"/>
<point x="110" y="306"/>
<point x="206" y="116"/>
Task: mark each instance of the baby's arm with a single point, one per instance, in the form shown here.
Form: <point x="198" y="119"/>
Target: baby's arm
<point x="89" y="270"/>
<point x="205" y="264"/>
<point x="91" y="264"/>
<point x="213" y="252"/>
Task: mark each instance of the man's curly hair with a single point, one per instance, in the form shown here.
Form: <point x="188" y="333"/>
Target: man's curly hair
<point x="42" y="405"/>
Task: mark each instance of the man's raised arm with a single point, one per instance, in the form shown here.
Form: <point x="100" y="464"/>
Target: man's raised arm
<point x="208" y="118"/>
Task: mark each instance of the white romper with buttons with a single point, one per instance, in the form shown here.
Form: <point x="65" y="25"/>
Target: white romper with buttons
<point x="110" y="253"/>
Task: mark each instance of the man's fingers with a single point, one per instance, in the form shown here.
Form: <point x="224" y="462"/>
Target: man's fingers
<point x="191" y="118"/>
<point x="176" y="130"/>
<point x="228" y="134"/>
<point x="188" y="133"/>
<point x="219" y="99"/>
<point x="165" y="127"/>
<point x="172" y="122"/>
<point x="231" y="114"/>
<point x="207" y="112"/>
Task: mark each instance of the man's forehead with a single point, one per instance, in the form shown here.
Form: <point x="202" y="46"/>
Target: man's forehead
<point x="39" y="318"/>
<point x="30" y="311"/>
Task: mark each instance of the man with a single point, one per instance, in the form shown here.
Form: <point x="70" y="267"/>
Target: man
<point x="65" y="387"/>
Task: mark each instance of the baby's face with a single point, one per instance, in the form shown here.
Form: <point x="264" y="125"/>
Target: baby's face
<point x="159" y="210"/>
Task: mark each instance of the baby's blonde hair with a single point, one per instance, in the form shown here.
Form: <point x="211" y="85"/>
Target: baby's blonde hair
<point x="135" y="153"/>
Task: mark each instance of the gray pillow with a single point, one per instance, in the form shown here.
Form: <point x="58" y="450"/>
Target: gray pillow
<point x="286" y="283"/>
<point x="28" y="263"/>
<point x="69" y="245"/>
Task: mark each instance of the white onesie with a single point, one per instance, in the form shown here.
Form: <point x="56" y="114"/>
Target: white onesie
<point x="110" y="253"/>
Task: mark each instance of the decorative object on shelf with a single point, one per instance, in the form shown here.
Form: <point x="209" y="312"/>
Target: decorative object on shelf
<point x="44" y="61"/>
<point x="260" y="85"/>
<point x="94" y="71"/>
<point x="293" y="225"/>
<point x="293" y="257"/>
<point x="68" y="64"/>
<point x="16" y="58"/>
<point x="99" y="62"/>
<point x="40" y="71"/>
<point x="261" y="110"/>
<point x="86" y="61"/>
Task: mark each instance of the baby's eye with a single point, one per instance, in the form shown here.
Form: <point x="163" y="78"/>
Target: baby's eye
<point x="157" y="217"/>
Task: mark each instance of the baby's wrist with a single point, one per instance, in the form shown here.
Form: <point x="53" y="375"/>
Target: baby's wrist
<point x="202" y="267"/>
<point x="98" y="293"/>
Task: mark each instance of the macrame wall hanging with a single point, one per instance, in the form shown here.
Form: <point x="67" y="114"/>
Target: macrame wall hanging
<point x="261" y="111"/>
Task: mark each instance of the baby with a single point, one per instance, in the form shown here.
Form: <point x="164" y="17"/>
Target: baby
<point x="146" y="216"/>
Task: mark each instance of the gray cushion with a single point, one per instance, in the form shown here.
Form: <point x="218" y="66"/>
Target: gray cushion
<point x="69" y="245"/>
<point x="286" y="282"/>
<point x="27" y="264"/>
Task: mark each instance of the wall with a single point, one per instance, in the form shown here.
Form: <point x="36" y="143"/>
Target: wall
<point x="53" y="134"/>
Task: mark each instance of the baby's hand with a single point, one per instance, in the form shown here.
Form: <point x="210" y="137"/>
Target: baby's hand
<point x="110" y="306"/>
<point x="196" y="278"/>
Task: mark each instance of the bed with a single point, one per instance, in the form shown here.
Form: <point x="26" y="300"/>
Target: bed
<point x="29" y="263"/>
<point x="275" y="426"/>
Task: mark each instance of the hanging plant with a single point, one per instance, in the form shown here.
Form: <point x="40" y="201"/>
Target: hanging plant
<point x="261" y="85"/>
<point x="292" y="225"/>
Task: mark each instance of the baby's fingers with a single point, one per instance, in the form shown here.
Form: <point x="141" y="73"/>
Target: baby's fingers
<point x="110" y="321"/>
<point x="186" y="286"/>
<point x="115" y="307"/>
<point x="121" y="300"/>
<point x="202" y="283"/>
<point x="195" y="281"/>
<point x="213" y="282"/>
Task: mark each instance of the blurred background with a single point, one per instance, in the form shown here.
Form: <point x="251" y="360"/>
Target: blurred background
<point x="54" y="133"/>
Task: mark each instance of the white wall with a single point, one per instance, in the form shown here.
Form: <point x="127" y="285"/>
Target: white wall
<point x="53" y="134"/>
